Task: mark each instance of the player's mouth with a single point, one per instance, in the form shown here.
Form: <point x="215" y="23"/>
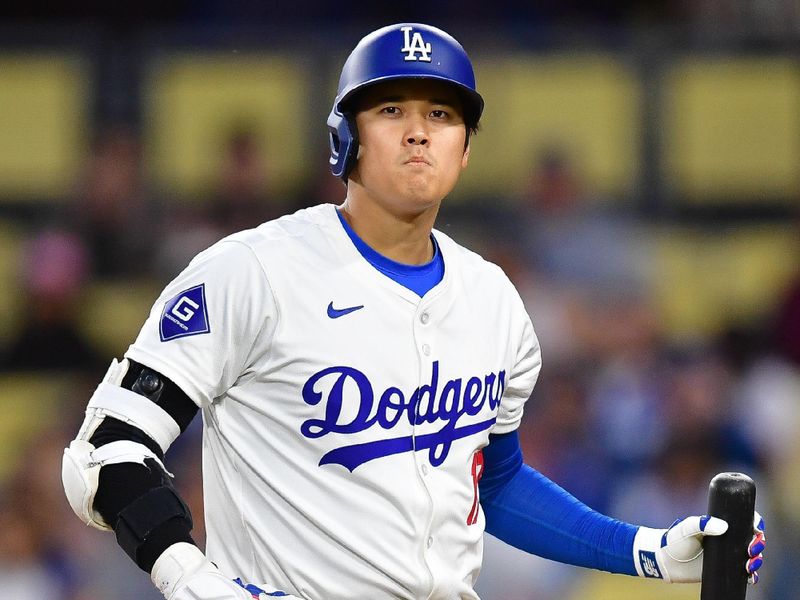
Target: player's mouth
<point x="417" y="161"/>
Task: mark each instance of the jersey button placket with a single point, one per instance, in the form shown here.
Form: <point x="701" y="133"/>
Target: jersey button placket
<point x="423" y="340"/>
<point x="424" y="318"/>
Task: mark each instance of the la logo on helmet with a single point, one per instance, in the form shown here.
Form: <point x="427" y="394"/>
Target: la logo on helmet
<point x="414" y="44"/>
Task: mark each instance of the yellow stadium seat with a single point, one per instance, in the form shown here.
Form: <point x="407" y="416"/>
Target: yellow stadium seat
<point x="194" y="101"/>
<point x="605" y="586"/>
<point x="10" y="301"/>
<point x="44" y="124"/>
<point x="587" y="106"/>
<point x="731" y="128"/>
<point x="113" y="313"/>
<point x="707" y="280"/>
<point x="29" y="403"/>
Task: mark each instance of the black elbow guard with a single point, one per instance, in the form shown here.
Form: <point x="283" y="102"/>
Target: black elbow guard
<point x="137" y="499"/>
<point x="152" y="523"/>
<point x="145" y="522"/>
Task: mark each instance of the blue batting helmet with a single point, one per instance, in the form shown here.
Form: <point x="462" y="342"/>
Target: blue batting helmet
<point x="402" y="51"/>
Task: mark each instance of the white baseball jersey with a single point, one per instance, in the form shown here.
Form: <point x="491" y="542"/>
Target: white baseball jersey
<point x="343" y="414"/>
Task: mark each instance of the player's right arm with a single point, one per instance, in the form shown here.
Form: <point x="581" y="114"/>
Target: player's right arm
<point x="188" y="352"/>
<point x="115" y="479"/>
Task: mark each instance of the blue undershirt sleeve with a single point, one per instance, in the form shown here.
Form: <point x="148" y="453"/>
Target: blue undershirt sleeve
<point x="528" y="511"/>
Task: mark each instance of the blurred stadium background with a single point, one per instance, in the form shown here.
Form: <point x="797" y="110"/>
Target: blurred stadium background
<point x="637" y="175"/>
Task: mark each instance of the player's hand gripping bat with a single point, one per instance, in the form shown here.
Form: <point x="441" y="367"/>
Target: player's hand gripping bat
<point x="732" y="497"/>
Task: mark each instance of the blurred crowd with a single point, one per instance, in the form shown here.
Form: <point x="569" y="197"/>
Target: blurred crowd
<point x="766" y="17"/>
<point x="629" y="419"/>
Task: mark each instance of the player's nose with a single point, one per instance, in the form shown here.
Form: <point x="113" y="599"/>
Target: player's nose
<point x="417" y="132"/>
<point x="418" y="138"/>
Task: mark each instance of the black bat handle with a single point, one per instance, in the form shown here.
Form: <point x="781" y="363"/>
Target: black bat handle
<point x="732" y="497"/>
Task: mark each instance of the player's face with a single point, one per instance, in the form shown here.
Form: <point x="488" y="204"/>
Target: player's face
<point x="412" y="144"/>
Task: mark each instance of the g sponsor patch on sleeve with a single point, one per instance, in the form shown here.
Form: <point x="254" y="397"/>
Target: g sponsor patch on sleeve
<point x="185" y="315"/>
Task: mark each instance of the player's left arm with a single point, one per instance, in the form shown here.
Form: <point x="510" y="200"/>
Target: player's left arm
<point x="528" y="511"/>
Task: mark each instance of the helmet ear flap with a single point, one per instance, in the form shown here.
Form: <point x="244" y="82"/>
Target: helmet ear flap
<point x="343" y="140"/>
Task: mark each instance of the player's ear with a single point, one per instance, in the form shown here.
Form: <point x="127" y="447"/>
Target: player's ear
<point x="465" y="158"/>
<point x="355" y="175"/>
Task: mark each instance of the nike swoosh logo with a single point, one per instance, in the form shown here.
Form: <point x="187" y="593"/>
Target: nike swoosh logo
<point x="335" y="313"/>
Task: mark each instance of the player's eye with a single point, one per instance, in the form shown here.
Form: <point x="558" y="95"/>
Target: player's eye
<point x="439" y="114"/>
<point x="391" y="110"/>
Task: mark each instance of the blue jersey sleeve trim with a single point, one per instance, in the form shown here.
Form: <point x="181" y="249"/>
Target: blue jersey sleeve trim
<point x="528" y="511"/>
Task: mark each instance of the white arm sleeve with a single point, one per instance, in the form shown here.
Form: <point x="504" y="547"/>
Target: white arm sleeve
<point x="210" y="322"/>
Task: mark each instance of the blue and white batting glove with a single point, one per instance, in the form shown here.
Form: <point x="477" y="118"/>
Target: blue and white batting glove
<point x="676" y="554"/>
<point x="755" y="549"/>
<point x="183" y="572"/>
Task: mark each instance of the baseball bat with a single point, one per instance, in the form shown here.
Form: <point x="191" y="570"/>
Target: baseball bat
<point x="732" y="497"/>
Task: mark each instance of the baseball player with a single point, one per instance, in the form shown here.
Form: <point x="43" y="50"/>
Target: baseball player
<point x="361" y="379"/>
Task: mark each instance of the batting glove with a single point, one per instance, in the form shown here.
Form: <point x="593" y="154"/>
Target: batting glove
<point x="183" y="572"/>
<point x="676" y="554"/>
<point x="755" y="549"/>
